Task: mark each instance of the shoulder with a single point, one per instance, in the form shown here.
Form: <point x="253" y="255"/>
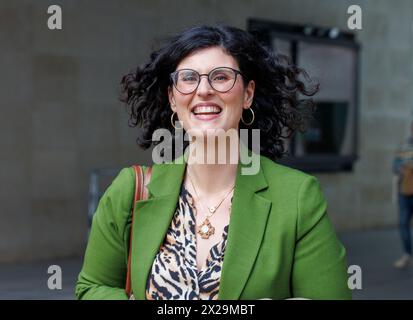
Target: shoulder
<point x="122" y="186"/>
<point x="299" y="193"/>
<point x="116" y="203"/>
<point x="122" y="189"/>
<point x="278" y="174"/>
<point x="124" y="177"/>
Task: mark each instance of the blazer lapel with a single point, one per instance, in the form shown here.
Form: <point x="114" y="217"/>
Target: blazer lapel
<point x="152" y="220"/>
<point x="249" y="216"/>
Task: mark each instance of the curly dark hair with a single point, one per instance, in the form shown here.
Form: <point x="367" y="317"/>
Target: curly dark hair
<point x="281" y="102"/>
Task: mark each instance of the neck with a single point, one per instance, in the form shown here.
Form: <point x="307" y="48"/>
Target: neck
<point x="212" y="177"/>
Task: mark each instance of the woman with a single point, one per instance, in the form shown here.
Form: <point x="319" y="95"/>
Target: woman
<point x="208" y="231"/>
<point x="403" y="192"/>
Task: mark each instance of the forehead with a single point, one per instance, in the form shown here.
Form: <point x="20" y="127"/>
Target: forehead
<point x="204" y="60"/>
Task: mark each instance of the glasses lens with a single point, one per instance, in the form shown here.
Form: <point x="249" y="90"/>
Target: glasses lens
<point x="222" y="79"/>
<point x="186" y="81"/>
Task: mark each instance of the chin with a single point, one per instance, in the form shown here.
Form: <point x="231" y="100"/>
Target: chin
<point x="210" y="131"/>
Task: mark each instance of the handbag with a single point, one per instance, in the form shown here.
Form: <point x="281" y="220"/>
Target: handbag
<point x="407" y="180"/>
<point x="141" y="193"/>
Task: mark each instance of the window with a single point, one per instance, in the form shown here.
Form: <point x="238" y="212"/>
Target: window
<point x="330" y="56"/>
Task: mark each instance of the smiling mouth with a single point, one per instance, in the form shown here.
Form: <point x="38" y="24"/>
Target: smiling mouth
<point x="205" y="110"/>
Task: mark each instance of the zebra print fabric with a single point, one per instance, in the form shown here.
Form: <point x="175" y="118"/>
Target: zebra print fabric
<point x="174" y="274"/>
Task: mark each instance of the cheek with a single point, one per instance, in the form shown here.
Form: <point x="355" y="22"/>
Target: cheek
<point x="237" y="93"/>
<point x="235" y="101"/>
<point x="182" y="102"/>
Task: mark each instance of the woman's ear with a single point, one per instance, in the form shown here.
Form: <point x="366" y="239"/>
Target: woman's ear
<point x="249" y="94"/>
<point x="171" y="99"/>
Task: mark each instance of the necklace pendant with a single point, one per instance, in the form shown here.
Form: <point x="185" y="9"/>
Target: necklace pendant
<point x="206" y="229"/>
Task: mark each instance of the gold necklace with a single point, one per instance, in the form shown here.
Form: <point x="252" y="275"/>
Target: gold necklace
<point x="206" y="229"/>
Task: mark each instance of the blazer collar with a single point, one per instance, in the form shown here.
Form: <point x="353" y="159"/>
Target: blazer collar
<point x="249" y="216"/>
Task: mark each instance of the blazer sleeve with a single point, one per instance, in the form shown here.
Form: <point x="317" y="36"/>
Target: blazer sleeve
<point x="319" y="267"/>
<point x="103" y="274"/>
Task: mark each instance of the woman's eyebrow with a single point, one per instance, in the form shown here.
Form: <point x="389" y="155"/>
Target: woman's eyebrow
<point x="209" y="70"/>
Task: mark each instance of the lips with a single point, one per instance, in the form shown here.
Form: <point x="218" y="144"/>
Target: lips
<point x="206" y="109"/>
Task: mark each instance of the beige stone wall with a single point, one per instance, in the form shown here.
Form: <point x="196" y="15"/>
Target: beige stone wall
<point x="60" y="116"/>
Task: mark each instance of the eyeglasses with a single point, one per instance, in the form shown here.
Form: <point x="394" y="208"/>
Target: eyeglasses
<point x="221" y="79"/>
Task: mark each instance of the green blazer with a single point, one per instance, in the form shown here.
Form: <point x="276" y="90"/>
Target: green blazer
<point x="281" y="243"/>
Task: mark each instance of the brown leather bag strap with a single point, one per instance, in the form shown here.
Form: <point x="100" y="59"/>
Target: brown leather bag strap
<point x="141" y="193"/>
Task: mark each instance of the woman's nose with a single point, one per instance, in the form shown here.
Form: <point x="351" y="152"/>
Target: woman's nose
<point x="204" y="87"/>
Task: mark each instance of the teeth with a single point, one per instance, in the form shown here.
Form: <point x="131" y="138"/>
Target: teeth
<point x="206" y="109"/>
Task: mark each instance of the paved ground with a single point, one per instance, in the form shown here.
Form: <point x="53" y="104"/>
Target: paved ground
<point x="29" y="281"/>
<point x="373" y="251"/>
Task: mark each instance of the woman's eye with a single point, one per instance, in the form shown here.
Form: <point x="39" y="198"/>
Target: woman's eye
<point x="189" y="78"/>
<point x="220" y="77"/>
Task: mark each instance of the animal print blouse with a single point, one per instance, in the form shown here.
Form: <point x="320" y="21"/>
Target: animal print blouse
<point x="174" y="274"/>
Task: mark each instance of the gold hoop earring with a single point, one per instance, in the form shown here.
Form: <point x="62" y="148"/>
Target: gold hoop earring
<point x="253" y="118"/>
<point x="172" y="120"/>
